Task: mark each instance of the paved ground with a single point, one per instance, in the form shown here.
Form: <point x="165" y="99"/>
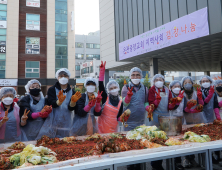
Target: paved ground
<point x="148" y="166"/>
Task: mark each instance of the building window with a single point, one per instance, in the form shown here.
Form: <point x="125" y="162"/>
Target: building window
<point x="79" y="56"/>
<point x="79" y="45"/>
<point x="33" y="3"/>
<point x="33" y="22"/>
<point x="89" y="45"/>
<point x="61" y="62"/>
<point x="77" y="76"/>
<point x="32" y="69"/>
<point x="3" y="12"/>
<point x="77" y="67"/>
<point x="61" y="29"/>
<point x="92" y="56"/>
<point x="32" y="45"/>
<point x="91" y="69"/>
<point x="85" y="70"/>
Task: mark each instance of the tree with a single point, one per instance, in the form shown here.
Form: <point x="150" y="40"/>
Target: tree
<point x="83" y="89"/>
<point x="121" y="81"/>
<point x="77" y="89"/>
<point x="146" y="81"/>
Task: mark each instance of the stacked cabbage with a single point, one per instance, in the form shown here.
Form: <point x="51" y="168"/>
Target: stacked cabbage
<point x="146" y="132"/>
<point x="33" y="155"/>
<point x="193" y="137"/>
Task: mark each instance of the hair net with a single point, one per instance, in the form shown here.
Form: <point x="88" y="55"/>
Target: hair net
<point x="157" y="76"/>
<point x="174" y="83"/>
<point x="91" y="79"/>
<point x="28" y="85"/>
<point x="112" y="83"/>
<point x="7" y="90"/>
<point x="184" y="78"/>
<point x="208" y="77"/>
<point x="216" y="82"/>
<point x="136" y="69"/>
<point x="62" y="69"/>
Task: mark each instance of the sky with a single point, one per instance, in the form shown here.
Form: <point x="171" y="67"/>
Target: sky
<point x="86" y="16"/>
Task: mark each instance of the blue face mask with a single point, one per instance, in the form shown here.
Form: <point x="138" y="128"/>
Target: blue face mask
<point x="188" y="86"/>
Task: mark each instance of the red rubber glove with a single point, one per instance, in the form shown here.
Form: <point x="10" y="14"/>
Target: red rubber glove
<point x="199" y="93"/>
<point x="99" y="97"/>
<point x="158" y="97"/>
<point x="90" y="105"/>
<point x="210" y="95"/>
<point x="191" y="103"/>
<point x="129" y="95"/>
<point x="102" y="71"/>
<point x="181" y="94"/>
<point x="43" y="114"/>
<point x="1" y="118"/>
<point x="199" y="108"/>
<point x="217" y="113"/>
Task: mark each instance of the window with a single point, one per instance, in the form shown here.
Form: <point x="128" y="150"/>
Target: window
<point x="79" y="56"/>
<point x="61" y="40"/>
<point x="91" y="69"/>
<point x="32" y="69"/>
<point x="32" y="45"/>
<point x="89" y="45"/>
<point x="33" y="3"/>
<point x="77" y="67"/>
<point x="61" y="62"/>
<point x="77" y="76"/>
<point x="85" y="70"/>
<point x="61" y="49"/>
<point x="79" y="45"/>
<point x="92" y="56"/>
<point x="3" y="12"/>
<point x="32" y="22"/>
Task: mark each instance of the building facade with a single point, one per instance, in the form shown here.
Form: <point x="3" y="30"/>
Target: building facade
<point x="124" y="20"/>
<point x="87" y="48"/>
<point x="40" y="39"/>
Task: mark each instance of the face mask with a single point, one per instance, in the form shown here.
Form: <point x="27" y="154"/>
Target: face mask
<point x="159" y="84"/>
<point x="35" y="92"/>
<point x="90" y="89"/>
<point x="219" y="89"/>
<point x="63" y="81"/>
<point x="206" y="85"/>
<point x="114" y="92"/>
<point x="188" y="86"/>
<point x="7" y="100"/>
<point x="176" y="90"/>
<point x="135" y="81"/>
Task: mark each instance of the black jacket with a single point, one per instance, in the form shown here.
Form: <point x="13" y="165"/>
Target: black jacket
<point x="25" y="104"/>
<point x="112" y="101"/>
<point x="52" y="98"/>
<point x="79" y="110"/>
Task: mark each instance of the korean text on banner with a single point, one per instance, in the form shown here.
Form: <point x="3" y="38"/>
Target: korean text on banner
<point x="183" y="29"/>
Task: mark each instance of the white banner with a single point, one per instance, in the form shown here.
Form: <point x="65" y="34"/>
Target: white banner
<point x="3" y="1"/>
<point x="32" y="27"/>
<point x="8" y="82"/>
<point x="3" y="24"/>
<point x="33" y="3"/>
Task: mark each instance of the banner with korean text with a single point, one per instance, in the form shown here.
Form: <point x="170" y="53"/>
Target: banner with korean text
<point x="183" y="29"/>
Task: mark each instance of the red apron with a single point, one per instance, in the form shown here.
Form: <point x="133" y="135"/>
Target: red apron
<point x="107" y="122"/>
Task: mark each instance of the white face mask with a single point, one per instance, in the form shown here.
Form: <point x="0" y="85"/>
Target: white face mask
<point x="206" y="85"/>
<point x="90" y="89"/>
<point x="159" y="84"/>
<point x="114" y="92"/>
<point x="176" y="90"/>
<point x="63" y="80"/>
<point x="7" y="101"/>
<point x="135" y="81"/>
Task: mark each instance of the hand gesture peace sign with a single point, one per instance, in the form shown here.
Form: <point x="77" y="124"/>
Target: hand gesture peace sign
<point x="5" y="118"/>
<point x="102" y="66"/>
<point x="130" y="92"/>
<point x="99" y="97"/>
<point x="25" y="115"/>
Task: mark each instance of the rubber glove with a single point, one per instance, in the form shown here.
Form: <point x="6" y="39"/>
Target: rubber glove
<point x="210" y="95"/>
<point x="220" y="104"/>
<point x="99" y="97"/>
<point x="190" y="104"/>
<point x="61" y="98"/>
<point x="199" y="96"/>
<point x="217" y="113"/>
<point x="75" y="98"/>
<point x="158" y="98"/>
<point x="129" y="95"/>
<point x="102" y="71"/>
<point x="88" y="107"/>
